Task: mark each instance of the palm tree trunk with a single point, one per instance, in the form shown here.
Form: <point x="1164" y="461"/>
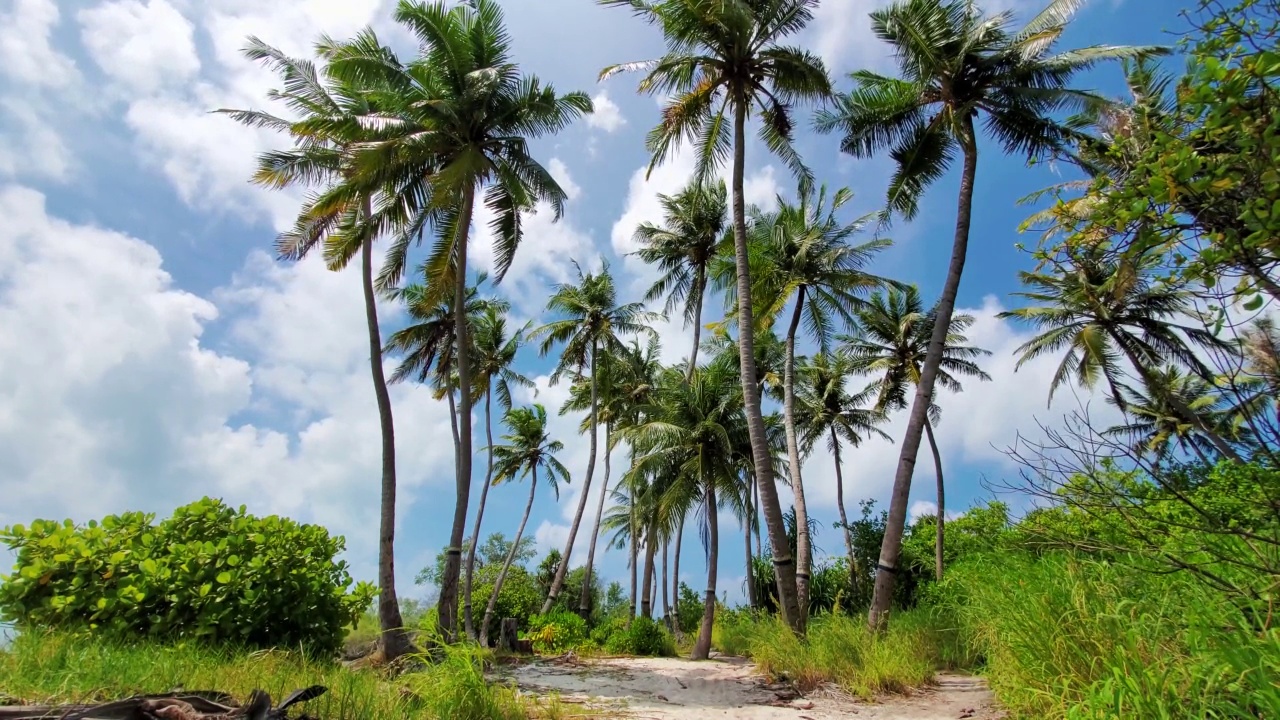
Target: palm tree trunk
<point x="755" y="515"/>
<point x="646" y="595"/>
<point x="746" y="526"/>
<point x="803" y="555"/>
<point x="844" y="518"/>
<point x="395" y="641"/>
<point x="675" y="574"/>
<point x="891" y="546"/>
<point x="697" y="331"/>
<point x="666" y="599"/>
<point x="937" y="467"/>
<point x="448" y="604"/>
<point x="506" y="565"/>
<point x="475" y="532"/>
<point x="563" y="568"/>
<point x="702" y="648"/>
<point x="635" y="557"/>
<point x="584" y="600"/>
<point x="783" y="564"/>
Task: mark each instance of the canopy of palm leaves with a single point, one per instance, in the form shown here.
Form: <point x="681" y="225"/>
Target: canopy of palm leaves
<point x="824" y="403"/>
<point x="1154" y="423"/>
<point x="694" y="224"/>
<point x="955" y="64"/>
<point x="495" y="353"/>
<point x="428" y="343"/>
<point x="527" y="448"/>
<point x="591" y="322"/>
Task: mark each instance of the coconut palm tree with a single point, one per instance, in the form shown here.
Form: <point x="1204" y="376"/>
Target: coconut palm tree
<point x="454" y="126"/>
<point x="806" y="255"/>
<point x="891" y="342"/>
<point x="689" y="441"/>
<point x="528" y="448"/>
<point x="725" y="61"/>
<point x="591" y="323"/>
<point x="825" y="409"/>
<point x="955" y="65"/>
<point x="326" y="132"/>
<point x="682" y="248"/>
<point x="495" y="351"/>
<point x="1105" y="311"/>
<point x="1155" y="424"/>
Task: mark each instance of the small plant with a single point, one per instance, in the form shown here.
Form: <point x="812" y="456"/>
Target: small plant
<point x="645" y="637"/>
<point x="556" y="632"/>
<point x="210" y="572"/>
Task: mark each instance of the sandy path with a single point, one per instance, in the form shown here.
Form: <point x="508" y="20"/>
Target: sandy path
<point x="674" y="689"/>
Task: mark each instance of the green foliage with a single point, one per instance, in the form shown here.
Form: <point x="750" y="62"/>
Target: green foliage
<point x="519" y="598"/>
<point x="645" y="637"/>
<point x="556" y="631"/>
<point x="211" y="572"/>
<point x="689" y="609"/>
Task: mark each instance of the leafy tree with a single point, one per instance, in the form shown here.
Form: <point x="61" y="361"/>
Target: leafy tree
<point x="683" y="249"/>
<point x="528" y="448"/>
<point x="591" y="323"/>
<point x="725" y="60"/>
<point x="891" y="340"/>
<point x="806" y="255"/>
<point x="456" y="124"/>
<point x="955" y="64"/>
<point x="327" y="134"/>
<point x="1155" y="422"/>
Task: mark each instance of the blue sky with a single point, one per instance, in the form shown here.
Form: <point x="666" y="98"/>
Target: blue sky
<point x="152" y="351"/>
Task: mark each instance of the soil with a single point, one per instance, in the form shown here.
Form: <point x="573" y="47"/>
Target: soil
<point x="676" y="689"/>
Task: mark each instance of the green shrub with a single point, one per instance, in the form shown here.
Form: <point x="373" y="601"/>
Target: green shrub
<point x="645" y="637"/>
<point x="556" y="632"/>
<point x="689" y="609"/>
<point x="210" y="572"/>
<point x="731" y="634"/>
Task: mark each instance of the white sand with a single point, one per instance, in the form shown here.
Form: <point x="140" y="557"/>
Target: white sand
<point x="674" y="689"/>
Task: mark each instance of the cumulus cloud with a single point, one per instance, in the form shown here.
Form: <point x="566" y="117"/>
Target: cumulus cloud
<point x="607" y="116"/>
<point x="145" y="46"/>
<point x="27" y="54"/>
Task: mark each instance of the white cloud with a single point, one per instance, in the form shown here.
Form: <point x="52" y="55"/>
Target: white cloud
<point x="111" y="400"/>
<point x="26" y="53"/>
<point x="29" y="146"/>
<point x="144" y="46"/>
<point x="607" y="116"/>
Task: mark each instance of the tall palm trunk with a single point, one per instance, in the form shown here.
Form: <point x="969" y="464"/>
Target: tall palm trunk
<point x="891" y="546"/>
<point x="448" y="605"/>
<point x="646" y="594"/>
<point x="634" y="542"/>
<point x="1185" y="413"/>
<point x="584" y="600"/>
<point x="937" y="468"/>
<point x="702" y="647"/>
<point x="783" y="564"/>
<point x="563" y="568"/>
<point x="752" y="600"/>
<point x="755" y="515"/>
<point x="844" y="518"/>
<point x="395" y="641"/>
<point x="475" y="532"/>
<point x="666" y="599"/>
<point x="803" y="555"/>
<point x="697" y="329"/>
<point x="675" y="574"/>
<point x="506" y="564"/>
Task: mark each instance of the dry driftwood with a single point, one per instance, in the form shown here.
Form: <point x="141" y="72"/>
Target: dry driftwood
<point x="169" y="706"/>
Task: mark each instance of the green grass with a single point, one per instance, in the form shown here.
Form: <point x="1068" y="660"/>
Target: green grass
<point x="60" y="668"/>
<point x="838" y="649"/>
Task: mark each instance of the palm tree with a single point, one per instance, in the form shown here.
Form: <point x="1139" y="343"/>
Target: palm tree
<point x="455" y="125"/>
<point x="695" y="224"/>
<point x="495" y="355"/>
<point x="806" y="255"/>
<point x="528" y="447"/>
<point x="1103" y="311"/>
<point x="826" y="409"/>
<point x="590" y="324"/>
<point x="891" y="340"/>
<point x="1156" y="424"/>
<point x="326" y="133"/>
<point x="956" y="65"/>
<point x="689" y="441"/>
<point x="725" y="58"/>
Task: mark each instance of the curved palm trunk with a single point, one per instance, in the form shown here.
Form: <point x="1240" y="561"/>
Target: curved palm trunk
<point x="746" y="526"/>
<point x="448" y="605"/>
<point x="475" y="532"/>
<point x="563" y="568"/>
<point x="844" y="518"/>
<point x="891" y="546"/>
<point x="702" y="647"/>
<point x="584" y="599"/>
<point x="755" y="515"/>
<point x="697" y="330"/>
<point x="634" y="541"/>
<point x="646" y="595"/>
<point x="395" y="641"/>
<point x="506" y="565"/>
<point x="803" y="555"/>
<point x="783" y="564"/>
<point x="666" y="599"/>
<point x="675" y="574"/>
<point x="937" y="467"/>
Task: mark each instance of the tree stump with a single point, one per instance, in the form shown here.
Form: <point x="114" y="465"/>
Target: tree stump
<point x="508" y="636"/>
